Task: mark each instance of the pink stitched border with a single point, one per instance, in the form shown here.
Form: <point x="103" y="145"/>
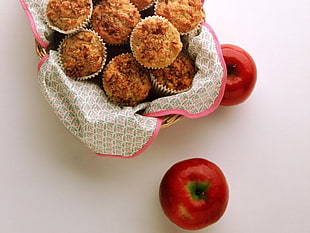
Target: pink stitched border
<point x="33" y="26"/>
<point x="218" y="99"/>
<point x="158" y="114"/>
<point x="42" y="61"/>
<point x="155" y="133"/>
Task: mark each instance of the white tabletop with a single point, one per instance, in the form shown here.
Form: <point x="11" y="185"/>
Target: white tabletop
<point x="51" y="182"/>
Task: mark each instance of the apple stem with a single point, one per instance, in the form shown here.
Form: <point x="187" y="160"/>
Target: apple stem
<point x="232" y="70"/>
<point x="198" y="190"/>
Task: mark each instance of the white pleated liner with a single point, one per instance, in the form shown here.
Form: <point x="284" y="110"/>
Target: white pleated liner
<point x="80" y="27"/>
<point x="104" y="58"/>
<point x="131" y="36"/>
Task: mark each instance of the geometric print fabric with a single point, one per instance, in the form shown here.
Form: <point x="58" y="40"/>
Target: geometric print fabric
<point x="108" y="129"/>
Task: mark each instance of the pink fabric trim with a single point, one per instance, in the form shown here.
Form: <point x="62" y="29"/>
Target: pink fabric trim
<point x="219" y="50"/>
<point x="32" y="24"/>
<point x="42" y="61"/>
<point x="155" y="133"/>
<point x="158" y="114"/>
<point x="218" y="99"/>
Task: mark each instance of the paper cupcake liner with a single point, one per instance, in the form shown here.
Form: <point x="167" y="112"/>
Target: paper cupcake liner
<point x="80" y="27"/>
<point x="181" y="33"/>
<point x="104" y="57"/>
<point x="160" y="90"/>
<point x="131" y="37"/>
<point x="128" y="37"/>
<point x="103" y="83"/>
<point x="194" y="32"/>
<point x="183" y="60"/>
<point x="107" y="43"/>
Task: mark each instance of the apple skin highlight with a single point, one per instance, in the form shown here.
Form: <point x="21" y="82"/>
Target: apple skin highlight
<point x="241" y="75"/>
<point x="194" y="193"/>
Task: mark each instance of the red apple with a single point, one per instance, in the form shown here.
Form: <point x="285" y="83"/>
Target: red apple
<point x="194" y="193"/>
<point x="241" y="75"/>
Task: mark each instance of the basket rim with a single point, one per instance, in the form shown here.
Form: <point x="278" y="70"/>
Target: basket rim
<point x="167" y="120"/>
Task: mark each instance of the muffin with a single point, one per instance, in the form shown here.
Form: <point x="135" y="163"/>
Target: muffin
<point x="185" y="15"/>
<point x="142" y="4"/>
<point x="155" y="42"/>
<point x="125" y="81"/>
<point x="68" y="16"/>
<point x="82" y="55"/>
<point x="114" y="20"/>
<point x="176" y="78"/>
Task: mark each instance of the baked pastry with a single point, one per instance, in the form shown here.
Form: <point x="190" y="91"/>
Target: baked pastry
<point x="68" y="16"/>
<point x="155" y="42"/>
<point x="114" y="20"/>
<point x="142" y="4"/>
<point x="125" y="81"/>
<point x="82" y="55"/>
<point x="185" y="15"/>
<point x="176" y="78"/>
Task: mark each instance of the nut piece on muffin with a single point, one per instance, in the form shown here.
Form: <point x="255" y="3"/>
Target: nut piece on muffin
<point x="67" y="16"/>
<point x="176" y="78"/>
<point x="125" y="81"/>
<point x="82" y="55"/>
<point x="142" y="4"/>
<point x="185" y="15"/>
<point x="155" y="42"/>
<point x="114" y="20"/>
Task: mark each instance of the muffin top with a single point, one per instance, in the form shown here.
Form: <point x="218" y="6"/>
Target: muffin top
<point x="125" y="81"/>
<point x="66" y="15"/>
<point x="178" y="76"/>
<point x="82" y="54"/>
<point x="114" y="20"/>
<point x="185" y="15"/>
<point x="142" y="4"/>
<point x="155" y="42"/>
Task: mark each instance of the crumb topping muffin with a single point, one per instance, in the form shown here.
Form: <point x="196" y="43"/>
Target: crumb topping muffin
<point x="125" y="81"/>
<point x="176" y="77"/>
<point x="67" y="15"/>
<point x="185" y="15"/>
<point x="114" y="20"/>
<point x="155" y="42"/>
<point x="142" y="4"/>
<point x="82" y="54"/>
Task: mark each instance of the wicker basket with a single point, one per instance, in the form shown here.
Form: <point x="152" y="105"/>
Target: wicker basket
<point x="167" y="120"/>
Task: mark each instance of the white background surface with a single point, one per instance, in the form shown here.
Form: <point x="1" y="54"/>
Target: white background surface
<point x="50" y="182"/>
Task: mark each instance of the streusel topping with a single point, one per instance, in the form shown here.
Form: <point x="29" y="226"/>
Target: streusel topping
<point x="155" y="42"/>
<point x="68" y="14"/>
<point x="82" y="54"/>
<point x="125" y="81"/>
<point x="114" y="20"/>
<point x="185" y="15"/>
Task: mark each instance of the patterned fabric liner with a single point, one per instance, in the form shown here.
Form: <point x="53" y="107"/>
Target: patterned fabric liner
<point x="110" y="130"/>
